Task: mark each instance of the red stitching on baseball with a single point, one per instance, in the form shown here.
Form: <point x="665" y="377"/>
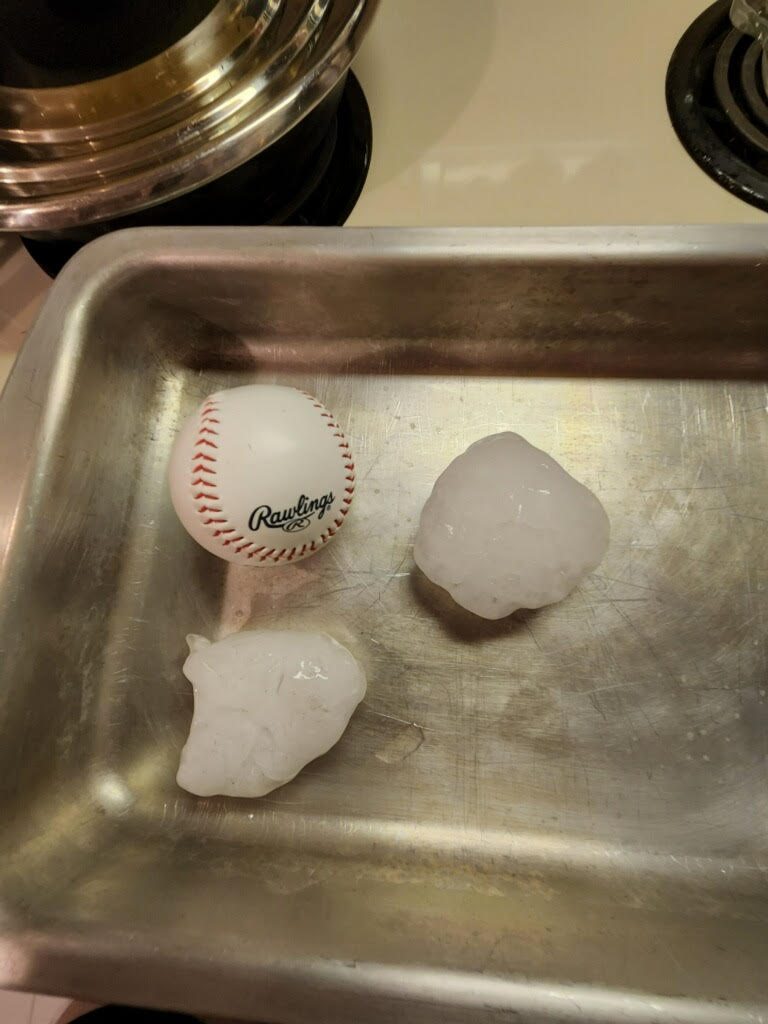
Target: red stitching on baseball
<point x="208" y="413"/>
<point x="349" y="466"/>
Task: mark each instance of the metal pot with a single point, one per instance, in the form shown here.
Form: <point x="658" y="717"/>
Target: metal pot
<point x="101" y="149"/>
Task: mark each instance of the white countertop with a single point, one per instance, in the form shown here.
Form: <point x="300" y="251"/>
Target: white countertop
<point x="518" y="112"/>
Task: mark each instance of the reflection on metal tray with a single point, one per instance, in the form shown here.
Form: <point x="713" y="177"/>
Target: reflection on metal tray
<point x="561" y="815"/>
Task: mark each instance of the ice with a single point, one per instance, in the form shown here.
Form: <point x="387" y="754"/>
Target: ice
<point x="266" y="703"/>
<point x="506" y="527"/>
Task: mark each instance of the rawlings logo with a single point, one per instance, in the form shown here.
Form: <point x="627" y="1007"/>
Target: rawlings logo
<point x="291" y="520"/>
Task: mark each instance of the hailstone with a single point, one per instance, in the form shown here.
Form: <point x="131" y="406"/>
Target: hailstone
<point x="506" y="527"/>
<point x="266" y="703"/>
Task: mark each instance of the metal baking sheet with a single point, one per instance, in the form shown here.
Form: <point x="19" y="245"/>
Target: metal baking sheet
<point x="560" y="816"/>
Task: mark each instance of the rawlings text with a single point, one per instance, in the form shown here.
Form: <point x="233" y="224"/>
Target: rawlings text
<point x="291" y="520"/>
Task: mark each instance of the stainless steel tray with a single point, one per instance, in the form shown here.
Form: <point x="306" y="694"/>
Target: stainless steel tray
<point x="562" y="816"/>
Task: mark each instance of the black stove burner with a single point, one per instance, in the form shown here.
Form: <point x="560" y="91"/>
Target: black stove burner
<point x="299" y="180"/>
<point x="132" y="1015"/>
<point x="718" y="103"/>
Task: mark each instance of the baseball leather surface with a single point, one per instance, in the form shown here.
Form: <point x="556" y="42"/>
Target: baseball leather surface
<point x="261" y="475"/>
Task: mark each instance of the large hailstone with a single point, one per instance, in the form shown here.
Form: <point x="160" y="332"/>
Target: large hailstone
<point x="266" y="703"/>
<point x="506" y="527"/>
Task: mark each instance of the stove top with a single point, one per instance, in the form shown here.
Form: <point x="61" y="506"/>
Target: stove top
<point x="718" y="103"/>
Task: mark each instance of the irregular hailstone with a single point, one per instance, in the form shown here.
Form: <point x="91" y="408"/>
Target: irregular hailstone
<point x="266" y="703"/>
<point x="506" y="527"/>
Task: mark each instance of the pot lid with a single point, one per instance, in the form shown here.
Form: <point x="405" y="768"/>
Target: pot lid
<point x="231" y="85"/>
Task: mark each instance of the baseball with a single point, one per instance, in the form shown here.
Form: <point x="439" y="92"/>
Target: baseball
<point x="261" y="475"/>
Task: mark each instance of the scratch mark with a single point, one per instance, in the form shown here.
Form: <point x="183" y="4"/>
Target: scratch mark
<point x="707" y="487"/>
<point x="395" y="718"/>
<point x="626" y="583"/>
<point x="405" y="744"/>
<point x="647" y="644"/>
<point x="596" y="704"/>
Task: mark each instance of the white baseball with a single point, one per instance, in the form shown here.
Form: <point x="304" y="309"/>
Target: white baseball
<point x="261" y="475"/>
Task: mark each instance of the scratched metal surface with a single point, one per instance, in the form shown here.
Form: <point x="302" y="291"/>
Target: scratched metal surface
<point x="562" y="814"/>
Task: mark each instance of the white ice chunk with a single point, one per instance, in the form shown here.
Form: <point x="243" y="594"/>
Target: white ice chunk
<point x="506" y="527"/>
<point x="266" y="703"/>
